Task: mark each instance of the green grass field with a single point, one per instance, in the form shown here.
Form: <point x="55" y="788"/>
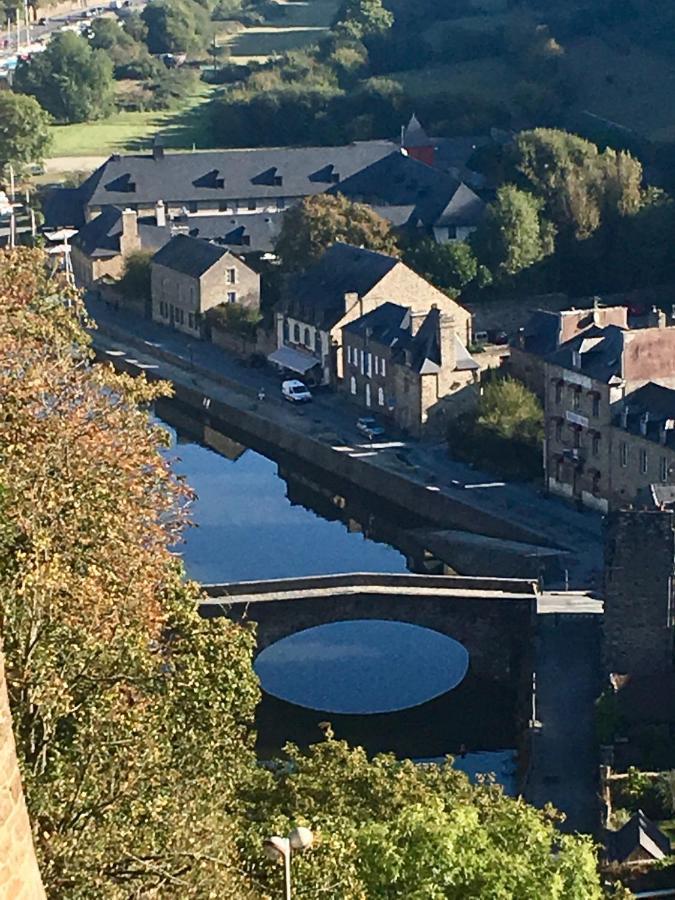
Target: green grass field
<point x="493" y="79"/>
<point x="125" y="131"/>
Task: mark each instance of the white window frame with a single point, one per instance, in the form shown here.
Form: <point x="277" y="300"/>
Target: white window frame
<point x="231" y="296"/>
<point x="380" y="397"/>
<point x="231" y="276"/>
<point x="352" y="385"/>
<point x="369" y="363"/>
<point x="383" y="368"/>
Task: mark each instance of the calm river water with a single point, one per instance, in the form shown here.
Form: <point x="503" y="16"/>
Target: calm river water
<point x="383" y="684"/>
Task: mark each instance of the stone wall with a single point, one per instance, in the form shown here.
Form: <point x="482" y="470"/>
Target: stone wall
<point x="19" y="874"/>
<point x="639" y="571"/>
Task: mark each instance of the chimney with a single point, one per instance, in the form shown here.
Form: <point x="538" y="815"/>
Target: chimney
<point x="644" y="423"/>
<point x="446" y="341"/>
<point x="416" y="319"/>
<point x="160" y="214"/>
<point x="157" y="150"/>
<point x="129" y="241"/>
<point x="352" y="300"/>
<point x="657" y="318"/>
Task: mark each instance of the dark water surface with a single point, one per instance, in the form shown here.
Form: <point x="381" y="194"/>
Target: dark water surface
<point x="385" y="685"/>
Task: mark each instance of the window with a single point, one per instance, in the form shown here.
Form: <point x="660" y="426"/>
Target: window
<point x="644" y="462"/>
<point x="596" y="404"/>
<point x="558" y="392"/>
<point x="296" y="333"/>
<point x="231" y="296"/>
<point x="576" y="399"/>
<point x="558" y="430"/>
<point x="163" y="309"/>
<point x="191" y="320"/>
<point x="252" y="205"/>
<point x="367" y="394"/>
<point x="349" y="354"/>
<point x="180" y="316"/>
<point x="596" y="444"/>
<point x="222" y="206"/>
<point x="623" y="454"/>
<point x="287" y="335"/>
<point x="596" y="483"/>
<point x="231" y="276"/>
<point x="380" y="397"/>
<point x="663" y="468"/>
<point x="376" y="364"/>
<point x="369" y="364"/>
<point x="308" y="338"/>
<point x="352" y="385"/>
<point x="576" y="431"/>
<point x="363" y="363"/>
<point x="193" y="206"/>
<point x="383" y="368"/>
<point x="281" y="203"/>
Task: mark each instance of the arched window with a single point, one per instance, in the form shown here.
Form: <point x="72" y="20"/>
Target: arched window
<point x="352" y="385"/>
<point x="380" y="396"/>
<point x="286" y="330"/>
<point x="296" y="333"/>
<point x="308" y="338"/>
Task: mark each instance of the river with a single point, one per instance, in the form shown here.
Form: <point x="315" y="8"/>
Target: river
<point x="381" y="684"/>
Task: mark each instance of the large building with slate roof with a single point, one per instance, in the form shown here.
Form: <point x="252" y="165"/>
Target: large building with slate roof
<point x="610" y="414"/>
<point x="189" y="276"/>
<point x="345" y="284"/>
<point x="409" y="367"/>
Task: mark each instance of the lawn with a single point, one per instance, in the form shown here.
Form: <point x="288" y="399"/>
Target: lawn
<point x="492" y="79"/>
<point x="127" y="131"/>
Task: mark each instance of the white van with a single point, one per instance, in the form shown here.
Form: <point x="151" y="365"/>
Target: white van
<point x="295" y="391"/>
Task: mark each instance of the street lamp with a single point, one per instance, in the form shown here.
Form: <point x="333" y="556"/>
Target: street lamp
<point x="279" y="849"/>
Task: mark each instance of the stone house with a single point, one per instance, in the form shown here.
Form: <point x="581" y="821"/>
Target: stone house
<point x="99" y="248"/>
<point x="345" y="284"/>
<point x="546" y="330"/>
<point x="189" y="277"/>
<point x="409" y="367"/>
<point x="609" y="415"/>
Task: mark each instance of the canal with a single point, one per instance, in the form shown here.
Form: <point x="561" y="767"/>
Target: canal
<point x="383" y="685"/>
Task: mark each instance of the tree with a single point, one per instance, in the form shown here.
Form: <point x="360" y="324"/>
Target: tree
<point x="318" y="222"/>
<point x="360" y="18"/>
<point x="176" y="26"/>
<point x="514" y="235"/>
<point x="135" y="280"/>
<point x="132" y="715"/>
<point x="389" y="829"/>
<point x="451" y="267"/>
<point x="70" y="80"/>
<point x="24" y="130"/>
<point x="510" y="410"/>
<point x="578" y="184"/>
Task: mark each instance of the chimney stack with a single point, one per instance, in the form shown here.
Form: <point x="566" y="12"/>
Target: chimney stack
<point x="157" y="150"/>
<point x="160" y="214"/>
<point x="446" y="341"/>
<point x="129" y="240"/>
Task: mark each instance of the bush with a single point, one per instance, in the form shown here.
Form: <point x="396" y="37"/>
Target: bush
<point x="234" y="317"/>
<point x="135" y="282"/>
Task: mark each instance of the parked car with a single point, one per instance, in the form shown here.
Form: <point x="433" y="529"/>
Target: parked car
<point x="480" y="337"/>
<point x="496" y="336"/>
<point x="368" y="426"/>
<point x="295" y="391"/>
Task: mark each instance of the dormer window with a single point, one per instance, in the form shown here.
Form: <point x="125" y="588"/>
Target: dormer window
<point x="271" y="177"/>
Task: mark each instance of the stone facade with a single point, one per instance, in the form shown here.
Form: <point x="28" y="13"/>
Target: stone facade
<point x="639" y="573"/>
<point x="91" y="267"/>
<point x="19" y="874"/>
<point x="180" y="300"/>
<point x="382" y="380"/>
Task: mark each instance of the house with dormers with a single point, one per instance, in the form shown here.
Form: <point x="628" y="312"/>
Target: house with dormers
<point x="345" y="284"/>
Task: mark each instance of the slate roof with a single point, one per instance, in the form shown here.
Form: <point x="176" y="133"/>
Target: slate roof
<point x="601" y="352"/>
<point x="389" y="326"/>
<point x="317" y="295"/>
<point x="189" y="256"/>
<point x="647" y="411"/>
<point x="398" y="180"/>
<point x="414" y="135"/>
<point x="227" y="174"/>
<point x="62" y="206"/>
<point x="639" y="832"/>
<point x="540" y="334"/>
<point x="100" y="238"/>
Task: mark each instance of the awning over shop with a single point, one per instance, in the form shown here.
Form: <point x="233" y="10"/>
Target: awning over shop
<point x="295" y="360"/>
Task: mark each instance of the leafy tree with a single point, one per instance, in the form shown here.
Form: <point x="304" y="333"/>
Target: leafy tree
<point x="70" y="80"/>
<point x="320" y="221"/>
<point x="510" y="410"/>
<point x="361" y="18"/>
<point x="132" y="715"/>
<point x="391" y="829"/>
<point x="176" y="26"/>
<point x="451" y="267"/>
<point x="24" y="130"/>
<point x="135" y="280"/>
<point x="578" y="184"/>
<point x="514" y="235"/>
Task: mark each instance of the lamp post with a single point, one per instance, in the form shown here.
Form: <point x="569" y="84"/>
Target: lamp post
<point x="279" y="849"/>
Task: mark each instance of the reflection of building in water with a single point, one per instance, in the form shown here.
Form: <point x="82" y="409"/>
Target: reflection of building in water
<point x="221" y="443"/>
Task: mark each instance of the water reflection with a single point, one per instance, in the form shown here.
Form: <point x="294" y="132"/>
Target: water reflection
<point x="248" y="529"/>
<point x="364" y="666"/>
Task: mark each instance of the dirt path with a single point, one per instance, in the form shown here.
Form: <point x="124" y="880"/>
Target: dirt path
<point x="60" y="164"/>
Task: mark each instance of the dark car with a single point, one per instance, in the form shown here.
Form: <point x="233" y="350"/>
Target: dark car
<point x="496" y="336"/>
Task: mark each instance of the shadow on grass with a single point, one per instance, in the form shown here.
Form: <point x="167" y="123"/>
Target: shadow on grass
<point x="183" y="129"/>
<point x="267" y="43"/>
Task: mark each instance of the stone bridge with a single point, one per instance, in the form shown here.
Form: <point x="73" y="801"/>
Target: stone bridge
<point x="492" y="617"/>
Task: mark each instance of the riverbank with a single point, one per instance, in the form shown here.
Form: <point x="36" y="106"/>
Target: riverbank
<point x="415" y="476"/>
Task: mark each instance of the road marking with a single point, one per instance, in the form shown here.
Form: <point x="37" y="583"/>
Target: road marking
<point x="487" y="484"/>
